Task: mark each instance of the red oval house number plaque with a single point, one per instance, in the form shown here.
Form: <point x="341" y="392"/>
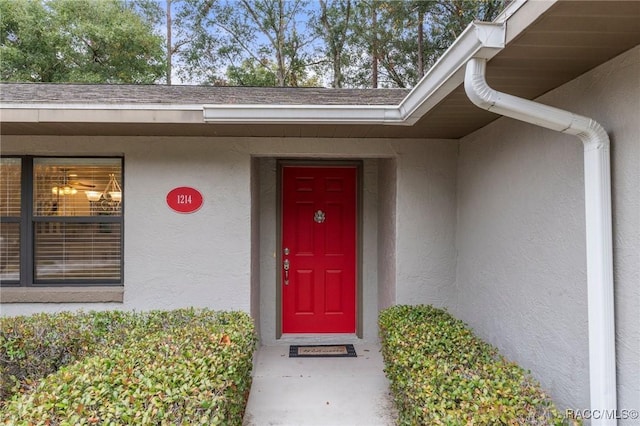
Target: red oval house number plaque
<point x="184" y="199"/>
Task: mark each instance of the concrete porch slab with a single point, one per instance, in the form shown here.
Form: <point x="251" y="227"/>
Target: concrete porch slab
<point x="319" y="391"/>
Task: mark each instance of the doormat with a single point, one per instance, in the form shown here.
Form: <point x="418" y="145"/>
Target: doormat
<point x="322" y="351"/>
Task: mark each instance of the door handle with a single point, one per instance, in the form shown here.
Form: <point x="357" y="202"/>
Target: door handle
<point x="286" y="271"/>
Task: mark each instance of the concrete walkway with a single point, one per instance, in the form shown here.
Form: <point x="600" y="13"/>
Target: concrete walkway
<point x="319" y="391"/>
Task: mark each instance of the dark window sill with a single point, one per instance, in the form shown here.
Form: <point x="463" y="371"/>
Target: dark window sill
<point x="61" y="294"/>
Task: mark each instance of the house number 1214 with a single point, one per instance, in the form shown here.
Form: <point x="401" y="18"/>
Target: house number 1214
<point x="184" y="199"/>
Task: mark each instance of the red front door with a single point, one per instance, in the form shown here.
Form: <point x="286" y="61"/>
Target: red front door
<point x="318" y="249"/>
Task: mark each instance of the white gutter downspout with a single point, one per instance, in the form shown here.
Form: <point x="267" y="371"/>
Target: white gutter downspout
<point x="597" y="183"/>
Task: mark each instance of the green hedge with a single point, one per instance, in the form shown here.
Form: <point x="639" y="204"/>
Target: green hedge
<point x="441" y="374"/>
<point x="178" y="367"/>
<point x="35" y="346"/>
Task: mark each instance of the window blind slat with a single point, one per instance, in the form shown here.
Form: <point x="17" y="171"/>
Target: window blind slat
<point x="9" y="252"/>
<point x="10" y="186"/>
<point x="77" y="251"/>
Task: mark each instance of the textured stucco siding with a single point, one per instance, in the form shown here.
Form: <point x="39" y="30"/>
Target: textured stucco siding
<point x="255" y="242"/>
<point x="224" y="255"/>
<point x="425" y="222"/>
<point x="616" y="86"/>
<point x="387" y="187"/>
<point x="369" y="251"/>
<point x="171" y="260"/>
<point x="521" y="280"/>
<point x="267" y="211"/>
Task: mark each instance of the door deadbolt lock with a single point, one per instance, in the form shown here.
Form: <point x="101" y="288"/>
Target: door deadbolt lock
<point x="285" y="266"/>
<point x="286" y="251"/>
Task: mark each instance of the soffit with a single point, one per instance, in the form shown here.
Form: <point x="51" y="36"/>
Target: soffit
<point x="570" y="39"/>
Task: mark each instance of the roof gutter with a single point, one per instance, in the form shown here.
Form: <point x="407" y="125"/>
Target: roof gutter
<point x="480" y="39"/>
<point x="597" y="177"/>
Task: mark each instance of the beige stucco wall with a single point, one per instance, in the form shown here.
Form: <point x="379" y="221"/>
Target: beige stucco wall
<point x="521" y="280"/>
<point x="223" y="256"/>
<point x="255" y="242"/>
<point x="425" y="222"/>
<point x="170" y="260"/>
<point x="387" y="198"/>
<point x="369" y="250"/>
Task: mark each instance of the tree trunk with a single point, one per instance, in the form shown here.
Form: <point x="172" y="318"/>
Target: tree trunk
<point x="374" y="46"/>
<point x="420" y="44"/>
<point x="280" y="47"/>
<point x="335" y="41"/>
<point x="337" y="71"/>
<point x="169" y="49"/>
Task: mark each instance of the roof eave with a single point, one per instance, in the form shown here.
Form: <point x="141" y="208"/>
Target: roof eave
<point x="480" y="40"/>
<point x="99" y="113"/>
<point x="302" y="114"/>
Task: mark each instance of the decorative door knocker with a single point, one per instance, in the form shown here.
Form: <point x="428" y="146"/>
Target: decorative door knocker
<point x="319" y="216"/>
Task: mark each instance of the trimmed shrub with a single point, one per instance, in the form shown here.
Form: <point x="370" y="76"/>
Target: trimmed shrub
<point x="179" y="367"/>
<point x="442" y="374"/>
<point x="31" y="347"/>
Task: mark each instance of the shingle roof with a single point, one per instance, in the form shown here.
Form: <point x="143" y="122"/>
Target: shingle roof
<point x="182" y="95"/>
<point x="541" y="54"/>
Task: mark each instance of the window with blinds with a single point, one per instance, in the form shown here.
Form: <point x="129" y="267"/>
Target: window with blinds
<point x="10" y="218"/>
<point x="73" y="217"/>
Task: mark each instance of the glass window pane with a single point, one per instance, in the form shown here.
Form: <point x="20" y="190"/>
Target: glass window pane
<point x="77" y="186"/>
<point x="10" y="187"/>
<point x="67" y="251"/>
<point x="9" y="252"/>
